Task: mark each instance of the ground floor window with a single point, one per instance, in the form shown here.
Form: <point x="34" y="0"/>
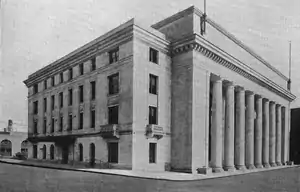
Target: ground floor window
<point x="113" y="152"/>
<point x="152" y="152"/>
<point x="34" y="152"/>
<point x="92" y="154"/>
<point x="52" y="152"/>
<point x="80" y="152"/>
<point x="44" y="152"/>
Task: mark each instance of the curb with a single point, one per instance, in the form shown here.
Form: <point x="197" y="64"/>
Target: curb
<point x="139" y="177"/>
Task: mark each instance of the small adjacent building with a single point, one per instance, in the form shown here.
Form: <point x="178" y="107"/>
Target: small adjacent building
<point x="295" y="135"/>
<point x="12" y="141"/>
<point x="169" y="96"/>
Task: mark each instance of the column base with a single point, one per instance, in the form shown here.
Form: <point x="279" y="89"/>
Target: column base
<point x="250" y="167"/>
<point x="273" y="164"/>
<point x="204" y="170"/>
<point x="229" y="168"/>
<point x="290" y="163"/>
<point x="266" y="165"/>
<point x="278" y="163"/>
<point x="217" y="170"/>
<point x="259" y="166"/>
<point x="283" y="163"/>
<point x="240" y="167"/>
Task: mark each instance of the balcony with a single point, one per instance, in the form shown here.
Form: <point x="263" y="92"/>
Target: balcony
<point x="154" y="131"/>
<point x="110" y="131"/>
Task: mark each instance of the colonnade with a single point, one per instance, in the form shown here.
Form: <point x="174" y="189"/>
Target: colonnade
<point x="253" y="133"/>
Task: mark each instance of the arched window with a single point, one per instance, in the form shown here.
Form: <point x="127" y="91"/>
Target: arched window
<point x="5" y="147"/>
<point x="24" y="146"/>
<point x="52" y="152"/>
<point x="92" y="154"/>
<point x="80" y="148"/>
<point x="44" y="152"/>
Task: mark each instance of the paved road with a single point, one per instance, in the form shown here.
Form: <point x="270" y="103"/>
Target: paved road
<point x="15" y="178"/>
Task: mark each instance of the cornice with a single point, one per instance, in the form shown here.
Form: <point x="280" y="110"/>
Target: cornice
<point x="198" y="43"/>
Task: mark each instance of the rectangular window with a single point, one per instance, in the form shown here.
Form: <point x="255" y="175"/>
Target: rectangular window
<point x="113" y="152"/>
<point x="81" y="93"/>
<point x="93" y="90"/>
<point x="34" y="155"/>
<point x="52" y="125"/>
<point x="80" y="120"/>
<point x="113" y="84"/>
<point x="153" y="55"/>
<point x="70" y="73"/>
<point x="81" y="70"/>
<point x="45" y="126"/>
<point x="113" y="115"/>
<point x="35" y="107"/>
<point x="35" y="88"/>
<point x="93" y="64"/>
<point x="52" y="102"/>
<point x="52" y="81"/>
<point x="61" y="77"/>
<point x="35" y="127"/>
<point x="61" y="99"/>
<point x="45" y="104"/>
<point x="93" y="118"/>
<point x="153" y="84"/>
<point x="45" y="84"/>
<point x="70" y="97"/>
<point x="61" y="123"/>
<point x="152" y="152"/>
<point x="70" y="126"/>
<point x="152" y="115"/>
<point x="114" y="55"/>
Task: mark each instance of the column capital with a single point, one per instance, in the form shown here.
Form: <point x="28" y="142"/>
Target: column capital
<point x="227" y="83"/>
<point x="266" y="100"/>
<point x="278" y="105"/>
<point x="258" y="96"/>
<point x="248" y="92"/>
<point x="215" y="78"/>
<point x="239" y="88"/>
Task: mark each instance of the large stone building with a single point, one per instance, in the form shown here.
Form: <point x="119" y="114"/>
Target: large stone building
<point x="160" y="97"/>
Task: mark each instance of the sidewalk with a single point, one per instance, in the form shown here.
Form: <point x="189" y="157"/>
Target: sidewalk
<point x="171" y="176"/>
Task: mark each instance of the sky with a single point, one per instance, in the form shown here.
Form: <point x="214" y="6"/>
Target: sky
<point x="35" y="33"/>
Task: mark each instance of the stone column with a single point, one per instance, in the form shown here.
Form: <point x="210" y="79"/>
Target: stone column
<point x="278" y="135"/>
<point x="266" y="133"/>
<point x="272" y="134"/>
<point x="284" y="137"/>
<point x="250" y="130"/>
<point x="216" y="127"/>
<point x="229" y="127"/>
<point x="239" y="141"/>
<point x="258" y="133"/>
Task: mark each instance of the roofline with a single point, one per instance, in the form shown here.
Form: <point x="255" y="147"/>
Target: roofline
<point x="195" y="10"/>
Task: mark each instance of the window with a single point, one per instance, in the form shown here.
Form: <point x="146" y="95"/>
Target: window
<point x="70" y="123"/>
<point x="93" y="90"/>
<point x="152" y="115"/>
<point x="44" y="152"/>
<point x="61" y="99"/>
<point x="113" y="84"/>
<point x="152" y="152"/>
<point x="93" y="119"/>
<point x="113" y="115"/>
<point x="70" y="97"/>
<point x="45" y="104"/>
<point x="153" y="84"/>
<point x="81" y="120"/>
<point x="61" y="77"/>
<point x="35" y="88"/>
<point x="81" y="93"/>
<point x="52" y="81"/>
<point x="52" y="102"/>
<point x="45" y="126"/>
<point x="35" y="127"/>
<point x="70" y="73"/>
<point x="80" y="152"/>
<point x="45" y="84"/>
<point x="61" y="123"/>
<point x="114" y="55"/>
<point x="81" y="69"/>
<point x="113" y="151"/>
<point x="35" y="107"/>
<point x="52" y="152"/>
<point x="93" y="64"/>
<point x="153" y="55"/>
<point x="34" y="151"/>
<point x="52" y="125"/>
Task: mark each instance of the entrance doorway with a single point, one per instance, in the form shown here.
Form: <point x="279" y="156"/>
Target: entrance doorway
<point x="6" y="148"/>
<point x="92" y="154"/>
<point x="113" y="152"/>
<point x="65" y="155"/>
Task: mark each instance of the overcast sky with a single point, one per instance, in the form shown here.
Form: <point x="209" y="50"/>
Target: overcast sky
<point x="37" y="32"/>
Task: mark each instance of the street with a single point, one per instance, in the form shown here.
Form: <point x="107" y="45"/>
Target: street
<point x="15" y="178"/>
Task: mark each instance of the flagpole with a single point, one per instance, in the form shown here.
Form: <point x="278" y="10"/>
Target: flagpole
<point x="290" y="65"/>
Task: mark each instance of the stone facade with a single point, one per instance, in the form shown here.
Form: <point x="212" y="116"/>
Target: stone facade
<point x="212" y="106"/>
